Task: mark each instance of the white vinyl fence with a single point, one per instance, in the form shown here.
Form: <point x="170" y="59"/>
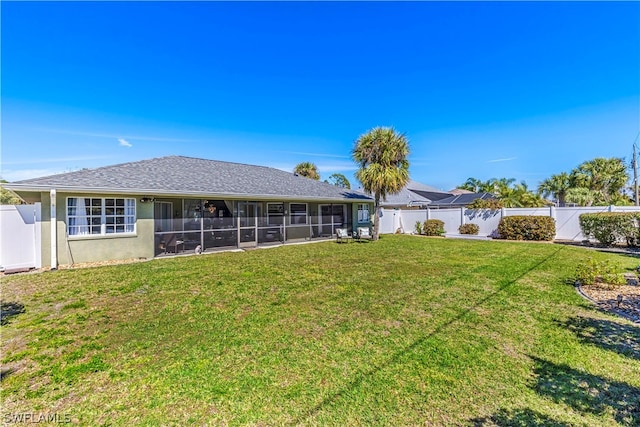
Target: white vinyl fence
<point x="567" y="219"/>
<point x="20" y="237"/>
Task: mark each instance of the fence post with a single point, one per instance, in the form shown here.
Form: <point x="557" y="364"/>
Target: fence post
<point x="461" y="215"/>
<point x="428" y="213"/>
<point x="552" y="213"/>
<point x="54" y="230"/>
<point x="611" y="208"/>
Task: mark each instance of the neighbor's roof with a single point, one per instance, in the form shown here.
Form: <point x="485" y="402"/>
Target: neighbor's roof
<point x="414" y="194"/>
<point x="418" y="186"/>
<point x="461" y="199"/>
<point x="405" y="197"/>
<point x="457" y="191"/>
<point x="177" y="175"/>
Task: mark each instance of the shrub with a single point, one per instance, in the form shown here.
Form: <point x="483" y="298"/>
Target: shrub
<point x="594" y="271"/>
<point x="418" y="227"/>
<point x="524" y="227"/>
<point x="609" y="228"/>
<point x="433" y="227"/>
<point x="469" y="229"/>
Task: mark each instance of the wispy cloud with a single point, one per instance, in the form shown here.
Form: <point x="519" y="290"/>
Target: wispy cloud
<point x="124" y="143"/>
<point x="111" y="136"/>
<point x="501" y="160"/>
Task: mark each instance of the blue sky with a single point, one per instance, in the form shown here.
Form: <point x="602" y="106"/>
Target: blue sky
<point x="505" y="89"/>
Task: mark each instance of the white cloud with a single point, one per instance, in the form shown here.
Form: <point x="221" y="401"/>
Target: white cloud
<point x="124" y="143"/>
<point x="501" y="160"/>
<point x="109" y="135"/>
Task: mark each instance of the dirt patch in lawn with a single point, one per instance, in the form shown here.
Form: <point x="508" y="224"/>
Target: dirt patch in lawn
<point x="621" y="300"/>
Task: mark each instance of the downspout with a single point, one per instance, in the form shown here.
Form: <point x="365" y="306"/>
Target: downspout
<point x="54" y="230"/>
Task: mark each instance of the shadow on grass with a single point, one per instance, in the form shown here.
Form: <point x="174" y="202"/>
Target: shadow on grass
<point x="5" y="372"/>
<point x="606" y="334"/>
<point x="9" y="310"/>
<point x="518" y="417"/>
<point x="397" y="356"/>
<point x="588" y="393"/>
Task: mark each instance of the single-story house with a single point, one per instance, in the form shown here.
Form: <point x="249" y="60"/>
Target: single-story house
<point x="177" y="204"/>
<point x="414" y="195"/>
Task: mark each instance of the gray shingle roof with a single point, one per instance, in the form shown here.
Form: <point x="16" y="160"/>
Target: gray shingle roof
<point x="405" y="197"/>
<point x="461" y="200"/>
<point x="187" y="175"/>
<point x="414" y="194"/>
<point x="415" y="185"/>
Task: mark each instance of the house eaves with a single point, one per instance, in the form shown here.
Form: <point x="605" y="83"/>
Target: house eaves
<point x="196" y="194"/>
<point x="191" y="177"/>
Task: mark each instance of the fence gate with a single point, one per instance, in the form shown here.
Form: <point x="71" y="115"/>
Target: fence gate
<point x="20" y="237"/>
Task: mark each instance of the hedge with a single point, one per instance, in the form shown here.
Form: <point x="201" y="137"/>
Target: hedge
<point x="609" y="228"/>
<point x="469" y="229"/>
<point x="524" y="227"/>
<point x="433" y="227"/>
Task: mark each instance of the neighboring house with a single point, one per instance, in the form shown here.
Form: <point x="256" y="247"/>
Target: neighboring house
<point x="460" y="200"/>
<point x="175" y="204"/>
<point x="457" y="191"/>
<point x="414" y="195"/>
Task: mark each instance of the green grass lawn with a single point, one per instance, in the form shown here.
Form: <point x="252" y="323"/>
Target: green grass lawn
<point x="404" y="331"/>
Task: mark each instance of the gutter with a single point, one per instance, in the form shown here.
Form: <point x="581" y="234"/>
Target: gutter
<point x="173" y="193"/>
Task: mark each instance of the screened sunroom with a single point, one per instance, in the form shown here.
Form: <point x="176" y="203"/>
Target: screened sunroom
<point x="188" y="225"/>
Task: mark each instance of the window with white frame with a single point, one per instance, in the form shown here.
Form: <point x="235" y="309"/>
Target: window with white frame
<point x="363" y="212"/>
<point x="275" y="213"/>
<point x="298" y="213"/>
<point x="100" y="216"/>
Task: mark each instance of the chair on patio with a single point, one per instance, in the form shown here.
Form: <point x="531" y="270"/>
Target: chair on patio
<point x="171" y="241"/>
<point x="342" y="235"/>
<point x="364" y="234"/>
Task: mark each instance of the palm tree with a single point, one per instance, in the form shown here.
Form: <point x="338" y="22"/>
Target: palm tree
<point x="556" y="186"/>
<point x="606" y="178"/>
<point x="308" y="170"/>
<point x="381" y="154"/>
<point x="339" y="180"/>
<point x="582" y="196"/>
<point x="498" y="187"/>
<point x="472" y="184"/>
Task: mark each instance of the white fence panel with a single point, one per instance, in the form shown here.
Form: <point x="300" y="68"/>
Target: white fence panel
<point x="388" y="221"/>
<point x="20" y="236"/>
<point x="452" y="218"/>
<point x="567" y="219"/>
<point x="410" y="217"/>
<point x="486" y="219"/>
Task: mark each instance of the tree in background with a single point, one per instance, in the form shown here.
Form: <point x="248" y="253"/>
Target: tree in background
<point x="475" y="185"/>
<point x="381" y="155"/>
<point x="8" y="197"/>
<point x="599" y="182"/>
<point x="339" y="180"/>
<point x="308" y="170"/>
<point x="509" y="194"/>
<point x="556" y="187"/>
